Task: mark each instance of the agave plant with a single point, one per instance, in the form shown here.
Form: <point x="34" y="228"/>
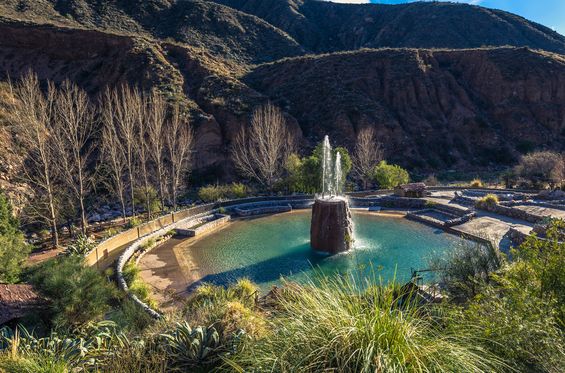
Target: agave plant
<point x="81" y="246"/>
<point x="189" y="347"/>
<point x="81" y="350"/>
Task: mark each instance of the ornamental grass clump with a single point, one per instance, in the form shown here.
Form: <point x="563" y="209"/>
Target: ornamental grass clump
<point x="231" y="310"/>
<point x="330" y="325"/>
<point x="489" y="200"/>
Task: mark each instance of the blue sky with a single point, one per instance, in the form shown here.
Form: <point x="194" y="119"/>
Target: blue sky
<point x="550" y="13"/>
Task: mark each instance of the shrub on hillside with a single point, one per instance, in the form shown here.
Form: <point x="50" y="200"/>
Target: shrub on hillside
<point x="213" y="193"/>
<point x="133" y="222"/>
<point x="390" y="175"/>
<point x="541" y="168"/>
<point x="77" y="294"/>
<point x="13" y="248"/>
<point x="238" y="190"/>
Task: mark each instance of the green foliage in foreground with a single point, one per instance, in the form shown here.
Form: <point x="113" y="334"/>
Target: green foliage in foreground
<point x="13" y="249"/>
<point x="77" y="294"/>
<point x="516" y="311"/>
<point x="329" y="325"/>
<point x="390" y="175"/>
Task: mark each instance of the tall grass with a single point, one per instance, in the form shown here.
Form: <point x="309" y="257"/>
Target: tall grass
<point x="330" y="325"/>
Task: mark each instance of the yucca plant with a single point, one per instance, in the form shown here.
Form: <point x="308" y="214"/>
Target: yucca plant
<point x="188" y="347"/>
<point x="81" y="246"/>
<point x="84" y="349"/>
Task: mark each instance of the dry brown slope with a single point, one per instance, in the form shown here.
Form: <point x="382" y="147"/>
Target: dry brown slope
<point x="432" y="109"/>
<point x="322" y="26"/>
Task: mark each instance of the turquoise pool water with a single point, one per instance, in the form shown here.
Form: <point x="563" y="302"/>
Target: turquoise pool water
<point x="264" y="249"/>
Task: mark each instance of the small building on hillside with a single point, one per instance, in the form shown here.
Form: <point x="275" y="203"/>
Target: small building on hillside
<point x="412" y="190"/>
<point x="17" y="301"/>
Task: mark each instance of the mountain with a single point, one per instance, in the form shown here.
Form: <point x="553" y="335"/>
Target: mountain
<point x="432" y="109"/>
<point x="437" y="97"/>
<point x="322" y="26"/>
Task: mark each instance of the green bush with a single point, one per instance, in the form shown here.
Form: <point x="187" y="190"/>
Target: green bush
<point x="230" y="309"/>
<point x="133" y="222"/>
<point x="464" y="269"/>
<point x="213" y="193"/>
<point x="519" y="314"/>
<point x="476" y="183"/>
<point x="149" y="199"/>
<point x="305" y="174"/>
<point x="135" y="284"/>
<point x="77" y="294"/>
<point x="238" y="190"/>
<point x="390" y="175"/>
<point x="13" y="248"/>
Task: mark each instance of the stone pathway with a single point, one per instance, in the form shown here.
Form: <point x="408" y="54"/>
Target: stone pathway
<point x="162" y="269"/>
<point x="542" y="211"/>
<point x="493" y="227"/>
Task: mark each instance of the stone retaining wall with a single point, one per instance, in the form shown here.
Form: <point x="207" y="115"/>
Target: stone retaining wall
<point x="511" y="212"/>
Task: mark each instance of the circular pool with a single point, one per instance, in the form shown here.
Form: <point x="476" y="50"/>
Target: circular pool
<point x="266" y="248"/>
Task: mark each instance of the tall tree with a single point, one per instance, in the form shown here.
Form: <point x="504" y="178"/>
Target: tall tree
<point x="367" y="155"/>
<point x="32" y="114"/>
<point x="156" y="117"/>
<point x="260" y="152"/>
<point x="113" y="155"/>
<point x="125" y="117"/>
<point x="139" y="106"/>
<point x="178" y="140"/>
<point x="73" y="133"/>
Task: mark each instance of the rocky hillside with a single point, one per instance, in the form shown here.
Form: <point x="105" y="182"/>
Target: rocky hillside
<point x="322" y="26"/>
<point x="432" y="109"/>
<point x="455" y="107"/>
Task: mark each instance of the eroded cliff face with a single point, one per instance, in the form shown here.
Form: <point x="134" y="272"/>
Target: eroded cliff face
<point x="431" y="109"/>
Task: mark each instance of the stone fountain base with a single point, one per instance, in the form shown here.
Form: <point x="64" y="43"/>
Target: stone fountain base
<point x="331" y="230"/>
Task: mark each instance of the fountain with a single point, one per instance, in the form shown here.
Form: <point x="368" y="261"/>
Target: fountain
<point x="331" y="228"/>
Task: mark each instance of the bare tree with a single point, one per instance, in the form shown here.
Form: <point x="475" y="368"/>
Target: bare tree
<point x="368" y="153"/>
<point x="32" y="114"/>
<point x="156" y="116"/>
<point x="139" y="110"/>
<point x="178" y="139"/>
<point x="113" y="155"/>
<point x="125" y="118"/>
<point x="542" y="167"/>
<point x="73" y="133"/>
<point x="260" y="151"/>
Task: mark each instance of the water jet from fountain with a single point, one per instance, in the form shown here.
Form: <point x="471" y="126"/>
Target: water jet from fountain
<point x="331" y="229"/>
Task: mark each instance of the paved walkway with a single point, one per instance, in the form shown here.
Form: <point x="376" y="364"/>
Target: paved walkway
<point x="162" y="269"/>
<point x="542" y="211"/>
<point x="494" y="228"/>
